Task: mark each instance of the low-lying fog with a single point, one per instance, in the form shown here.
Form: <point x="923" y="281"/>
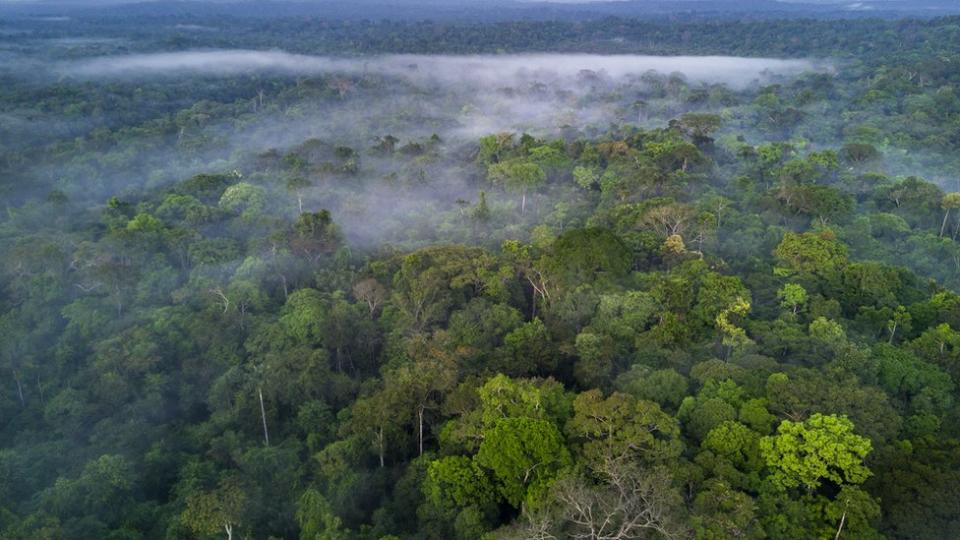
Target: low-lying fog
<point x="485" y="71"/>
<point x="410" y="97"/>
<point x="459" y="96"/>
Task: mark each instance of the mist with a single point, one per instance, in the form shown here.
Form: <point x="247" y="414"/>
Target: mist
<point x="737" y="72"/>
<point x="409" y="97"/>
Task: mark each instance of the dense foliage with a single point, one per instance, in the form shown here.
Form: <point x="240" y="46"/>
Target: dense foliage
<point x="730" y="314"/>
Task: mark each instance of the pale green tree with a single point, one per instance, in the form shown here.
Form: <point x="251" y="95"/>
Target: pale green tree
<point x="823" y="447"/>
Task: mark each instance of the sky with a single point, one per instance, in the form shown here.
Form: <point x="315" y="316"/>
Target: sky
<point x="453" y="2"/>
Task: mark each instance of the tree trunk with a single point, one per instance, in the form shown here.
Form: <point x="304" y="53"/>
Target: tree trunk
<point x="943" y="226"/>
<point x="523" y="201"/>
<point x="229" y="528"/>
<point x="23" y="402"/>
<point x="420" y="429"/>
<point x="380" y="445"/>
<point x="242" y="309"/>
<point x="286" y="288"/>
<point x="263" y="417"/>
<point x="119" y="301"/>
<point x="843" y="519"/>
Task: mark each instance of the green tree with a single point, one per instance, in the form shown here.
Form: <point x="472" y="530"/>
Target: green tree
<point x="244" y="199"/>
<point x="793" y="297"/>
<point x="721" y="512"/>
<point x="622" y="427"/>
<point x="586" y="177"/>
<point x="666" y="387"/>
<point x="698" y="126"/>
<point x="220" y="509"/>
<point x="818" y="253"/>
<point x="517" y="175"/>
<point x="823" y="447"/>
<point x="733" y="336"/>
<point x="458" y="482"/>
<point x="296" y="185"/>
<point x="525" y="456"/>
<point x="950" y="201"/>
<point x="314" y="235"/>
<point x="317" y="520"/>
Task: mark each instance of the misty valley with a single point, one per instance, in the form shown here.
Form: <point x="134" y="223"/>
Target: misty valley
<point x="339" y="274"/>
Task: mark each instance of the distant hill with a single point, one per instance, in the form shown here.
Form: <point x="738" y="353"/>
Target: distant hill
<point x="472" y="10"/>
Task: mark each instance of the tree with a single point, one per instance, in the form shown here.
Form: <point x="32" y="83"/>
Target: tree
<point x="792" y="296"/>
<point x="525" y="456"/>
<point x="432" y="281"/>
<point x="733" y="336"/>
<point x="420" y="387"/>
<point x="528" y="350"/>
<point x="596" y="352"/>
<point x="210" y="511"/>
<point x="628" y="503"/>
<point x="624" y="316"/>
<point x="673" y="155"/>
<point x="246" y="200"/>
<point x="825" y="203"/>
<point x="900" y="320"/>
<point x="818" y="253"/>
<point x="493" y="147"/>
<point x="950" y="201"/>
<point x="828" y="332"/>
<point x="317" y="520"/>
<point x="663" y="386"/>
<point x="296" y="185"/>
<point x="581" y="256"/>
<point x="730" y="453"/>
<point x="699" y="415"/>
<point x="914" y="199"/>
<point x="375" y="420"/>
<point x="622" y="427"/>
<point x="858" y="153"/>
<point x="586" y="177"/>
<point x="925" y="387"/>
<point x="315" y="235"/>
<point x="370" y="292"/>
<point x="540" y="399"/>
<point x="808" y="391"/>
<point x="940" y="345"/>
<point x="823" y="447"/>
<point x="481" y="212"/>
<point x="721" y="512"/>
<point x="457" y="482"/>
<point x="669" y="219"/>
<point x="101" y="491"/>
<point x="519" y="176"/>
<point x="698" y="126"/>
<point x="917" y="483"/>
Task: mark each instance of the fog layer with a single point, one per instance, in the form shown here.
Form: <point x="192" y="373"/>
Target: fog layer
<point x="360" y="102"/>
<point x="482" y="70"/>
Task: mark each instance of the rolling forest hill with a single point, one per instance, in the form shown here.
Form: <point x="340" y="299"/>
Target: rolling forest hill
<point x="471" y="11"/>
